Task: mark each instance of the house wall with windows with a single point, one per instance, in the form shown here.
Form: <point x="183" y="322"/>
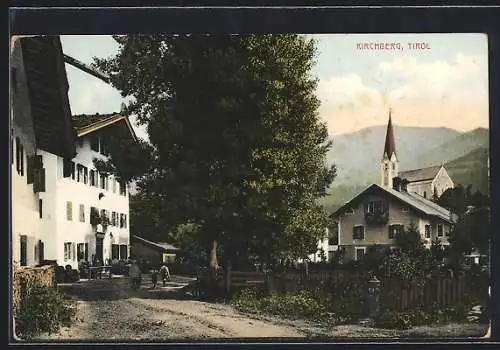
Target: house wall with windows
<point x="24" y="201"/>
<point x="356" y="233"/>
<point x="67" y="206"/>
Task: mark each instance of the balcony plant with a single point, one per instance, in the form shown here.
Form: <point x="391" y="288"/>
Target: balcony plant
<point x="377" y="213"/>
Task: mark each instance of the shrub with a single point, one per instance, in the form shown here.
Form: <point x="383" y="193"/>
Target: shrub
<point x="303" y="304"/>
<point x="43" y="309"/>
<point x="416" y="317"/>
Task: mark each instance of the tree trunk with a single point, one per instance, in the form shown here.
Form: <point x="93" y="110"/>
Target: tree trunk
<point x="213" y="268"/>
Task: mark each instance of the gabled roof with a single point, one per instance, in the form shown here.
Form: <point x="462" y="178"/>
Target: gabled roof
<point x="161" y="246"/>
<point x="422" y="174"/>
<point x="390" y="143"/>
<point x="418" y="203"/>
<point x="87" y="123"/>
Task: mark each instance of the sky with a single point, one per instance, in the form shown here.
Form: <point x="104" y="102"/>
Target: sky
<point x="428" y="80"/>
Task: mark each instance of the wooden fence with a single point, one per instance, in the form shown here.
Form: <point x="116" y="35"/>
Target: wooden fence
<point x="426" y="294"/>
<point x="394" y="293"/>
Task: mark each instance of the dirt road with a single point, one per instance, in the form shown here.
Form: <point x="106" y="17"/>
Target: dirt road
<point x="110" y="310"/>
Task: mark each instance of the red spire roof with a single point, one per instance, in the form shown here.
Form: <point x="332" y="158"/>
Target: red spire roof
<point x="390" y="143"/>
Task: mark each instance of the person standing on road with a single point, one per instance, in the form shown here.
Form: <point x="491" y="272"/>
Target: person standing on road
<point x="154" y="277"/>
<point x="135" y="275"/>
<point x="165" y="273"/>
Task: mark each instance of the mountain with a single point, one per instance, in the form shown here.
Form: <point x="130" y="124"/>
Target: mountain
<point x="471" y="169"/>
<point x="458" y="147"/>
<point x="357" y="157"/>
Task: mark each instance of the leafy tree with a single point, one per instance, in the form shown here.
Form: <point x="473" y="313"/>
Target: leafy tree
<point x="237" y="145"/>
<point x="410" y="241"/>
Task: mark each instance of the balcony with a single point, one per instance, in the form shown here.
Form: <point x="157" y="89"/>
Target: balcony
<point x="377" y="212"/>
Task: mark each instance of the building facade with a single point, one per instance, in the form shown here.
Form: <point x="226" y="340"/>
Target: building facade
<point x="428" y="182"/>
<point x="62" y="208"/>
<point x="84" y="211"/>
<point x="375" y="216"/>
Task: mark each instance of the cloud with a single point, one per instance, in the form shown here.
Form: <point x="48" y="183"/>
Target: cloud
<point x="452" y="93"/>
<point x="422" y="80"/>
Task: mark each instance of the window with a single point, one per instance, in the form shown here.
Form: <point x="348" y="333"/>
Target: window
<point x="19" y="157"/>
<point x="394" y="230"/>
<point x="104" y="147"/>
<point x="69" y="211"/>
<point x="349" y="211"/>
<point x="94" y="143"/>
<point x="85" y="175"/>
<point x="67" y="251"/>
<point x="122" y="188"/>
<point x="115" y="251"/>
<point x="113" y="183"/>
<point x="359" y="253"/>
<point x="124" y="220"/>
<point x="440" y="230"/>
<point x="333" y="234"/>
<point x="113" y="219"/>
<point x="86" y="251"/>
<point x="374" y="207"/>
<point x="106" y="183"/>
<point x="92" y="178"/>
<point x="103" y="181"/>
<point x="386" y="167"/>
<point x="79" y="175"/>
<point x="405" y="209"/>
<point x="393" y="166"/>
<point x="73" y="170"/>
<point x="425" y="194"/>
<point x="24" y="250"/>
<point x="123" y="251"/>
<point x="81" y="251"/>
<point x="40" y="208"/>
<point x="82" y="213"/>
<point x="427" y="230"/>
<point x="358" y="232"/>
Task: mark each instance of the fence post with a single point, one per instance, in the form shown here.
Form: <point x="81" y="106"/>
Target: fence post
<point x="373" y="297"/>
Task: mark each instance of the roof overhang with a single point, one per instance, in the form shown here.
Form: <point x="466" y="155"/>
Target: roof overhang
<point x="378" y="189"/>
<point x="105" y="123"/>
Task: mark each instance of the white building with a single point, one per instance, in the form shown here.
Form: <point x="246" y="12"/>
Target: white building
<point x="58" y="199"/>
<point x="40" y="119"/>
<point x="85" y="212"/>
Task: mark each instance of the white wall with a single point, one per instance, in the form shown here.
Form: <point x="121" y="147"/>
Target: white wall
<point x="24" y="202"/>
<point x="58" y="229"/>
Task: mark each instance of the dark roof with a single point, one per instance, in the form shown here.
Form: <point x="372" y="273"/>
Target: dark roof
<point x="48" y="92"/>
<point x="420" y="174"/>
<point x="161" y="246"/>
<point x="390" y="143"/>
<point x="413" y="200"/>
<point x="83" y="120"/>
<point x="87" y="123"/>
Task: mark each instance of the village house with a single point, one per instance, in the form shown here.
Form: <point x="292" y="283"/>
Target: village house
<point x="379" y="212"/>
<point x="40" y="122"/>
<point x="62" y="208"/>
<point x="154" y="252"/>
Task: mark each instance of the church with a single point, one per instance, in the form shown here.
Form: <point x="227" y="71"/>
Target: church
<point x="380" y="211"/>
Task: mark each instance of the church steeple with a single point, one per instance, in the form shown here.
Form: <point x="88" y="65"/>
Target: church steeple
<point x="390" y="144"/>
<point x="389" y="163"/>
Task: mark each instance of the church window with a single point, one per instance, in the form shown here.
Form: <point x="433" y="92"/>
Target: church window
<point x="425" y="194"/>
<point x="393" y="167"/>
<point x="386" y="167"/>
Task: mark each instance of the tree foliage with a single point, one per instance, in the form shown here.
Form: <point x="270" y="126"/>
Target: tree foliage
<point x="237" y="145"/>
<point x="410" y="241"/>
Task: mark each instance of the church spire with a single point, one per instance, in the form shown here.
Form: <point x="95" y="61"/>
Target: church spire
<point x="390" y="143"/>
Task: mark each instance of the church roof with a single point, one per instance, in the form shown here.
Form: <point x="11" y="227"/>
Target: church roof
<point x="417" y="202"/>
<point x="421" y="174"/>
<point x="390" y="143"/>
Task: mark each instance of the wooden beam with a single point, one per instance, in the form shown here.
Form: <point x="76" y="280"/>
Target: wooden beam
<point x="82" y="66"/>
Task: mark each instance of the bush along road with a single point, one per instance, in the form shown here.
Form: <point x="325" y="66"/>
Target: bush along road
<point x="109" y="309"/>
